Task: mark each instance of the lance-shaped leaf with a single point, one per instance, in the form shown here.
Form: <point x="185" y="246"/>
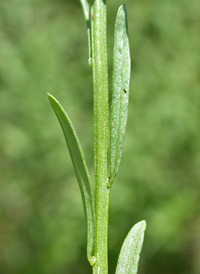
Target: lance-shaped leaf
<point x="120" y="91"/>
<point x="130" y="252"/>
<point x="80" y="168"/>
<point x="86" y="12"/>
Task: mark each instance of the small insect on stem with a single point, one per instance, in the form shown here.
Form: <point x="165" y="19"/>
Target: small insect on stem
<point x="92" y="15"/>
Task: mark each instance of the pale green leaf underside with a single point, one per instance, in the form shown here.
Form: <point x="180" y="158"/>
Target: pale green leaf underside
<point x="130" y="252"/>
<point x="80" y="167"/>
<point x="120" y="91"/>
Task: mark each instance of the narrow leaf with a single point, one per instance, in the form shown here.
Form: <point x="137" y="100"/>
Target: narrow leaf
<point x="86" y="12"/>
<point x="120" y="91"/>
<point x="130" y="252"/>
<point x="86" y="9"/>
<point x="80" y="168"/>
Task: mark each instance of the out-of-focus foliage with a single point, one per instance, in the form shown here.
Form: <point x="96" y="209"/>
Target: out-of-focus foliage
<point x="43" y="48"/>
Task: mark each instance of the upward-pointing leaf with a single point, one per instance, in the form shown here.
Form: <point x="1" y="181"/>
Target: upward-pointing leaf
<point x="120" y="91"/>
<point x="81" y="170"/>
<point x="86" y="12"/>
<point x="86" y="9"/>
<point x="130" y="252"/>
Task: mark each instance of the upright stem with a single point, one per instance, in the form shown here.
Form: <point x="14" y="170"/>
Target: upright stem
<point x="100" y="84"/>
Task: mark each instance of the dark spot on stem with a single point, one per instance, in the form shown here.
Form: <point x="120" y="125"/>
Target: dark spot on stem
<point x="125" y="91"/>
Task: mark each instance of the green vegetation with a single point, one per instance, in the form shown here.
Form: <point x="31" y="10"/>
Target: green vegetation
<point x="96" y="197"/>
<point x="43" y="49"/>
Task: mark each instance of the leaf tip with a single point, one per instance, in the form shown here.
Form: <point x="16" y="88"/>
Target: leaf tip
<point x="52" y="100"/>
<point x="50" y="96"/>
<point x="142" y="224"/>
<point x="122" y="9"/>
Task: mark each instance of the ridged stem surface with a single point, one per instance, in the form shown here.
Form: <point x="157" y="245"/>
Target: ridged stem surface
<point x="100" y="85"/>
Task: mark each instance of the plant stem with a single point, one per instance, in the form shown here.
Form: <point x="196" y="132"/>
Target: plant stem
<point x="100" y="85"/>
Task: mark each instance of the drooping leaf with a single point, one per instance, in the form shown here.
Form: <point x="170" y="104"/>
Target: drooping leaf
<point x="120" y="91"/>
<point x="86" y="12"/>
<point x="80" y="168"/>
<point x="130" y="252"/>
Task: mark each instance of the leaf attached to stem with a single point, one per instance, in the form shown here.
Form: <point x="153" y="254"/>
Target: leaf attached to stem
<point x="120" y="91"/>
<point x="81" y="171"/>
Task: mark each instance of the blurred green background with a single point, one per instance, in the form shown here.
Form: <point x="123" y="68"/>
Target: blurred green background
<point x="43" y="48"/>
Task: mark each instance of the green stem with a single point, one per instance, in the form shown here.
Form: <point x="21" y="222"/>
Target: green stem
<point x="100" y="84"/>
